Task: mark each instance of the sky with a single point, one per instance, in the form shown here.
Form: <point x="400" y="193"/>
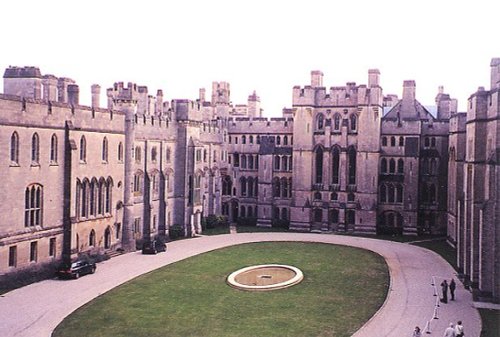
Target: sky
<point x="266" y="46"/>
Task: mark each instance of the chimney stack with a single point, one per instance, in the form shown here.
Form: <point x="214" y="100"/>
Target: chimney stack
<point x="96" y="95"/>
<point x="373" y="78"/>
<point x="495" y="73"/>
<point x="316" y="78"/>
<point x="409" y="91"/>
<point x="49" y="83"/>
<point x="73" y="94"/>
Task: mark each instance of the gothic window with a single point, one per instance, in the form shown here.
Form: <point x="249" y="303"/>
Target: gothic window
<point x="399" y="193"/>
<point x="392" y="166"/>
<point x="426" y="142"/>
<point x="154" y="154"/>
<point x="317" y="195"/>
<point x="243" y="211"/>
<point x="290" y="162"/>
<point x="168" y="154"/>
<point x="250" y="139"/>
<point x="236" y="140"/>
<point x="433" y="142"/>
<point x="336" y="122"/>
<point x="383" y="165"/>
<point x="320" y="122"/>
<point x="319" y="166"/>
<point x="236" y="157"/>
<point x="14" y="148"/>
<point x="383" y="193"/>
<point x="276" y="187"/>
<point x="92" y="196"/>
<point x="390" y="193"/>
<point x="334" y="196"/>
<point x="100" y="196"/>
<point x="250" y="184"/>
<point x="433" y="166"/>
<point x="53" y="149"/>
<point x="105" y="150"/>
<point x="258" y="139"/>
<point x="33" y="201"/>
<point x="120" y="152"/>
<point x="35" y="149"/>
<point x="227" y="185"/>
<point x="401" y="141"/>
<point x="284" y="187"/>
<point x="278" y="140"/>
<point x="318" y="215"/>
<point x="335" y="165"/>
<point x="285" y="140"/>
<point x="243" y="139"/>
<point x="384" y="141"/>
<point x="400" y="166"/>
<point x="92" y="238"/>
<point x="290" y="187"/>
<point x="276" y="163"/>
<point x="243" y="161"/>
<point x="138" y="181"/>
<point x="352" y="165"/>
<point x="243" y="186"/>
<point x="393" y="141"/>
<point x="108" y="195"/>
<point x="284" y="163"/>
<point x="353" y="120"/>
<point x="84" y="198"/>
<point x="83" y="149"/>
<point x="197" y="188"/>
<point x="250" y="162"/>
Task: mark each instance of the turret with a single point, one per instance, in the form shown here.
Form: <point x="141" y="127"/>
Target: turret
<point x="96" y="95"/>
<point x="23" y="82"/>
<point x="49" y="88"/>
<point x="254" y="109"/>
<point x="73" y="94"/>
<point x="316" y="78"/>
<point x="495" y="73"/>
<point x="373" y="78"/>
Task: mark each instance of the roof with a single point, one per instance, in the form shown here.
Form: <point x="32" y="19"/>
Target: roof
<point x="408" y="110"/>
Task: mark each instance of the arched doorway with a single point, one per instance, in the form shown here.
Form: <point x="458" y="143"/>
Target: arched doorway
<point x="107" y="238"/>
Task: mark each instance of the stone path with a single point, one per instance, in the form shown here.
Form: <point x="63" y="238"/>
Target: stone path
<point x="35" y="310"/>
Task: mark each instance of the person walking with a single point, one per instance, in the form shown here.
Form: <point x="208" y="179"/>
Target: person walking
<point x="459" y="329"/>
<point x="450" y="331"/>
<point x="444" y="290"/>
<point x="416" y="332"/>
<point x="452" y="289"/>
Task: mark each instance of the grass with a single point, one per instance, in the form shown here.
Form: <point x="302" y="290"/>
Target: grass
<point x="442" y="248"/>
<point x="255" y="229"/>
<point x="491" y="322"/>
<point x="191" y="298"/>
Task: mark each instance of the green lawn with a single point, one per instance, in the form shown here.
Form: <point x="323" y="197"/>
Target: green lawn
<point x="190" y="298"/>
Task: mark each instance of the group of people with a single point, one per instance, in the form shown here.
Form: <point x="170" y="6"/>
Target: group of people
<point x="451" y="331"/>
<point x="444" y="289"/>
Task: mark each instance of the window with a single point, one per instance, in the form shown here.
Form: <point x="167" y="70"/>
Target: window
<point x="383" y="193"/>
<point x="392" y="166"/>
<point x="168" y="155"/>
<point x="33" y="251"/>
<point x="243" y="188"/>
<point x="400" y="166"/>
<point x="384" y="141"/>
<point x="137" y="225"/>
<point x="92" y="238"/>
<point x="285" y="140"/>
<point x="83" y="150"/>
<point x="205" y="155"/>
<point x="251" y="189"/>
<point x="401" y="141"/>
<point x="318" y="215"/>
<point x="334" y="196"/>
<point x="258" y="139"/>
<point x="52" y="247"/>
<point x="53" y="149"/>
<point x="154" y="154"/>
<point x="335" y="165"/>
<point x="243" y="161"/>
<point x="426" y="142"/>
<point x="243" y="139"/>
<point x="250" y="139"/>
<point x="350" y="196"/>
<point x="317" y="195"/>
<point x="352" y="166"/>
<point x="353" y="124"/>
<point x="93" y="195"/>
<point x="336" y="122"/>
<point x="35" y="149"/>
<point x="104" y="154"/>
<point x="227" y="185"/>
<point x="319" y="166"/>
<point x="137" y="154"/>
<point x="14" y="148"/>
<point x="277" y="163"/>
<point x="120" y="152"/>
<point x="393" y="141"/>
<point x="33" y="206"/>
<point x="108" y="195"/>
<point x="333" y="215"/>
<point x="236" y="159"/>
<point x="383" y="165"/>
<point x="433" y="142"/>
<point x="278" y="140"/>
<point x="250" y="162"/>
<point x="137" y="187"/>
<point x="320" y="122"/>
<point x="284" y="163"/>
<point x="12" y="256"/>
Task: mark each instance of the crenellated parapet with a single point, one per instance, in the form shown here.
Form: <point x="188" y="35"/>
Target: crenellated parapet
<point x="277" y="125"/>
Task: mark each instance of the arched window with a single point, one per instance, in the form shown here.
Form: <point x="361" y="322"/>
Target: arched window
<point x="243" y="139"/>
<point x="284" y="187"/>
<point x="384" y="141"/>
<point x="401" y="141"/>
<point x="285" y="140"/>
<point x="120" y="152"/>
<point x="433" y="166"/>
<point x="399" y="193"/>
<point x="92" y="197"/>
<point x="392" y="166"/>
<point x="258" y="139"/>
<point x="250" y="162"/>
<point x="84" y="198"/>
<point x="276" y="187"/>
<point x="336" y="122"/>
<point x="276" y="163"/>
<point x="433" y="142"/>
<point x="353" y="120"/>
<point x="250" y="139"/>
<point x="92" y="238"/>
<point x="243" y="211"/>
<point x="154" y="154"/>
<point x="383" y="193"/>
<point x="108" y="195"/>
<point x="401" y="167"/>
<point x="168" y="154"/>
<point x="317" y="195"/>
<point x="352" y="165"/>
<point x="35" y="149"/>
<point x="100" y="196"/>
<point x="335" y="165"/>
<point x="227" y="185"/>
<point x="333" y="216"/>
<point x="138" y="182"/>
<point x="390" y="193"/>
<point x="383" y="165"/>
<point x="104" y="155"/>
<point x="290" y="162"/>
<point x="250" y="184"/>
<point x="14" y="148"/>
<point x="278" y="140"/>
<point x="243" y="161"/>
<point x="137" y="154"/>
<point x="426" y="142"/>
<point x="33" y="201"/>
<point x="83" y="149"/>
<point x="53" y="149"/>
<point x="290" y="187"/>
<point x="334" y="196"/>
<point x="319" y="166"/>
<point x="320" y="122"/>
<point x="243" y="186"/>
<point x="284" y="163"/>
<point x="393" y="141"/>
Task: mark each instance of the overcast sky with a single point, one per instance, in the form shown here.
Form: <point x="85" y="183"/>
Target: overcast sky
<point x="267" y="46"/>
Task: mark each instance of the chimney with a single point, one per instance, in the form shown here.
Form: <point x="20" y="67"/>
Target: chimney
<point x="96" y="95"/>
<point x="49" y="83"/>
<point x="409" y="91"/>
<point x="373" y="78"/>
<point x="159" y="102"/>
<point x="202" y="95"/>
<point x="495" y="73"/>
<point x="316" y="78"/>
<point x="73" y="94"/>
<point x="62" y="88"/>
<point x="109" y="94"/>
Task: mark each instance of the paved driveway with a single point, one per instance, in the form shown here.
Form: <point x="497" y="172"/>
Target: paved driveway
<point x="35" y="310"/>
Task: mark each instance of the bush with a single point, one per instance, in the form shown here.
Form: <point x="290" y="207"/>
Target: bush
<point x="247" y="222"/>
<point x="24" y="277"/>
<point x="175" y="232"/>
<point x="213" y="221"/>
<point x="279" y="223"/>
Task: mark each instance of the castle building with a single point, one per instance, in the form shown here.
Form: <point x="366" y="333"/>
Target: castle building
<point x="89" y="179"/>
<point x="474" y="189"/>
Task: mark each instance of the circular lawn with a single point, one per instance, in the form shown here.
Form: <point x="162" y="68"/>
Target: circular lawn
<point x="342" y="288"/>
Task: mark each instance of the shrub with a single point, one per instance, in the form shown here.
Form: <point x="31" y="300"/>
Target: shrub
<point x="248" y="221"/>
<point x="175" y="232"/>
<point x="213" y="221"/>
<point x="280" y="223"/>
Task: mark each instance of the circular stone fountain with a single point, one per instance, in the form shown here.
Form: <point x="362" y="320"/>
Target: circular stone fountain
<point x="265" y="277"/>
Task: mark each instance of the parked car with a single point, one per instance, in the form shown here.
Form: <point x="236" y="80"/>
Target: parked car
<point x="153" y="247"/>
<point x="76" y="269"/>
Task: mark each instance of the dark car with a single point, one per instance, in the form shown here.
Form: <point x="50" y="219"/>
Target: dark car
<point x="77" y="269"/>
<point x="153" y="247"/>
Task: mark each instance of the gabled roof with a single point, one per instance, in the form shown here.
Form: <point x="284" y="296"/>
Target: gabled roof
<point x="408" y="110"/>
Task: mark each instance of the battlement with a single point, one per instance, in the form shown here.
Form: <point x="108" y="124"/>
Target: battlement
<point x="260" y="125"/>
<point x="22" y="72"/>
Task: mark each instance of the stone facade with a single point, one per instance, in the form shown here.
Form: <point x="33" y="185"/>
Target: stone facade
<point x="342" y="159"/>
<point x="474" y="180"/>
